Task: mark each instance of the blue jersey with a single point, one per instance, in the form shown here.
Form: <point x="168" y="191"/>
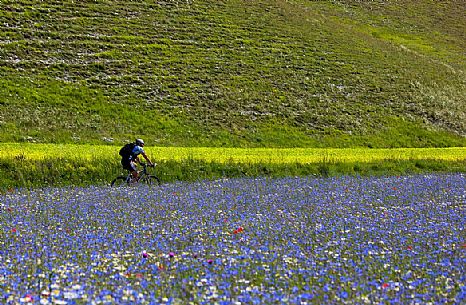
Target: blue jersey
<point x="137" y="150"/>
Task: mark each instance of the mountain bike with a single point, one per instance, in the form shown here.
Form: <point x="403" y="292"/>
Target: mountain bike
<point x="144" y="178"/>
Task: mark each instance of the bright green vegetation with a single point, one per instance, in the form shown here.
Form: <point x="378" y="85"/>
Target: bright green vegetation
<point x="60" y="172"/>
<point x="58" y="164"/>
<point x="266" y="73"/>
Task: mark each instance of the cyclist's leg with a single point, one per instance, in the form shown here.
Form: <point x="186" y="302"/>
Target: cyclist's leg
<point x="133" y="170"/>
<point x="130" y="167"/>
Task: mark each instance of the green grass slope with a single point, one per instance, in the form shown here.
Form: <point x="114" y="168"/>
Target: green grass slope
<point x="269" y="73"/>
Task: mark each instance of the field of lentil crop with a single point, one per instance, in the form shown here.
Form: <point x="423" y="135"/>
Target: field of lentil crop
<point x="344" y="240"/>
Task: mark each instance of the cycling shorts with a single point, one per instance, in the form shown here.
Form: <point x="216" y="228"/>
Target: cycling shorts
<point x="128" y="165"/>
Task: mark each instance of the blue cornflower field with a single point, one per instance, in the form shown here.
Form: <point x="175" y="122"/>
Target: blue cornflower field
<point x="376" y="240"/>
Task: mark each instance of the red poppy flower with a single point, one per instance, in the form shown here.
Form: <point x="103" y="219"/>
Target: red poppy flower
<point x="239" y="230"/>
<point x="28" y="298"/>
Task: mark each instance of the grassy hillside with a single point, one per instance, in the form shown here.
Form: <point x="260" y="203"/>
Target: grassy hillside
<point x="234" y="73"/>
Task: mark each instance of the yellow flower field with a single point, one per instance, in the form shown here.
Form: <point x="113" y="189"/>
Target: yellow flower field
<point x="236" y="155"/>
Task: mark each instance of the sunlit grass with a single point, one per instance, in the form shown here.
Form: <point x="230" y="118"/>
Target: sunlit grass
<point x="278" y="74"/>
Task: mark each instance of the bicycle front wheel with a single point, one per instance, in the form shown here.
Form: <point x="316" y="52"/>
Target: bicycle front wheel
<point x="151" y="180"/>
<point x="119" y="181"/>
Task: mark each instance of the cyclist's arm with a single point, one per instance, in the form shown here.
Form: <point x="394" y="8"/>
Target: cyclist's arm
<point x="147" y="159"/>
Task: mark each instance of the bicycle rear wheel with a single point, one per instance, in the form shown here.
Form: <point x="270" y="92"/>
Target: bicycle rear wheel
<point x="150" y="180"/>
<point x="119" y="181"/>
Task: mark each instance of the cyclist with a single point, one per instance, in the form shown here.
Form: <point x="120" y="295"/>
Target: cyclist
<point x="130" y="156"/>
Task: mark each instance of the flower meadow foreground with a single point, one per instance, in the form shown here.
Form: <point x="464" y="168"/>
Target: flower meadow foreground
<point x="379" y="240"/>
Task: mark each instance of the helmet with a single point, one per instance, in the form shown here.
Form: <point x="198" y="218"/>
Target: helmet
<point x="140" y="142"/>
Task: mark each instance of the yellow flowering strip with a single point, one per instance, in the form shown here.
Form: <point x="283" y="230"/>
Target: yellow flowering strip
<point x="239" y="155"/>
<point x="307" y="155"/>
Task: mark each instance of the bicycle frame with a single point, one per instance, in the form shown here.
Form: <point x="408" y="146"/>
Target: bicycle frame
<point x="143" y="176"/>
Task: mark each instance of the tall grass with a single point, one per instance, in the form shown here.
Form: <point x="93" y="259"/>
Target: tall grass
<point x="45" y="165"/>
